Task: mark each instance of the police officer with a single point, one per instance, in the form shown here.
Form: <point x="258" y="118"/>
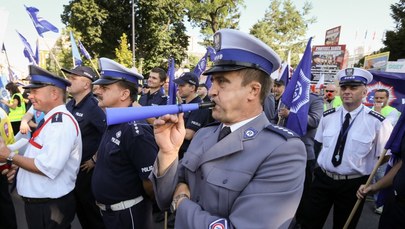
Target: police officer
<point x="92" y="124"/>
<point x="223" y="178"/>
<point x="155" y="95"/>
<point x="352" y="136"/>
<point x="187" y="85"/>
<point x="125" y="156"/>
<point x="48" y="168"/>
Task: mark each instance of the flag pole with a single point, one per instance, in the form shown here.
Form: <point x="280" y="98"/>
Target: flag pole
<point x="54" y="58"/>
<point x="370" y="178"/>
<point x="95" y="68"/>
<point x="8" y="63"/>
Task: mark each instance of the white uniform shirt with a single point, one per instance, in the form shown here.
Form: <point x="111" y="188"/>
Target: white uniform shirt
<point x="59" y="159"/>
<point x="365" y="141"/>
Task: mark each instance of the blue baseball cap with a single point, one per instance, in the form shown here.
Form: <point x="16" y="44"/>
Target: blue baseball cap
<point x="354" y="76"/>
<point x="40" y="77"/>
<point x="112" y="72"/>
<point x="237" y="50"/>
<point x="82" y="71"/>
<point x="187" y="77"/>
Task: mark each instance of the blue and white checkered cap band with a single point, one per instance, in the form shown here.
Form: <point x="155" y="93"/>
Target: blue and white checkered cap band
<point x="250" y="59"/>
<point x="359" y="79"/>
<point x="118" y="76"/>
<point x="39" y="79"/>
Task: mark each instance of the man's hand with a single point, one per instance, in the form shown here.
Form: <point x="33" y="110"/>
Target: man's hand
<point x="10" y="173"/>
<point x="363" y="191"/>
<point x="24" y="127"/>
<point x="4" y="151"/>
<point x="378" y="107"/>
<point x="87" y="166"/>
<point x="169" y="133"/>
<point x="283" y="112"/>
<point x="181" y="188"/>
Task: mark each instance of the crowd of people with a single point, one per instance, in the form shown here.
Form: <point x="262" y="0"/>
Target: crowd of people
<point x="235" y="165"/>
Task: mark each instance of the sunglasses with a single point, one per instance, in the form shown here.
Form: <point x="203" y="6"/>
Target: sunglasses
<point x="329" y="91"/>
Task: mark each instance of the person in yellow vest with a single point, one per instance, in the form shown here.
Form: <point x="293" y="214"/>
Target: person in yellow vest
<point x="7" y="213"/>
<point x="16" y="105"/>
<point x="330" y="99"/>
<point x="381" y="106"/>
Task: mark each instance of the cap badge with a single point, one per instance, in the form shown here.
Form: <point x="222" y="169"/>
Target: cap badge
<point x="217" y="42"/>
<point x="349" y="71"/>
<point x="249" y="133"/>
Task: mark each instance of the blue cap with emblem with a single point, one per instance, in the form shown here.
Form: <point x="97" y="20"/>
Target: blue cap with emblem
<point x="187" y="77"/>
<point x="236" y="50"/>
<point x="354" y="76"/>
<point x="40" y="78"/>
<point x="112" y="72"/>
<point x="82" y="71"/>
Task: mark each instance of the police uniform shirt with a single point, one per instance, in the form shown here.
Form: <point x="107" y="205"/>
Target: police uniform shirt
<point x="366" y="139"/>
<point x="154" y="99"/>
<point x="92" y="124"/>
<point x="58" y="159"/>
<point x="194" y="120"/>
<point x="125" y="157"/>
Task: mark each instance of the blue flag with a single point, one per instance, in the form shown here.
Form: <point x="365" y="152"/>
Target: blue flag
<point x="41" y="25"/>
<point x="172" y="86"/>
<point x="27" y="49"/>
<point x="296" y="95"/>
<point x="285" y="76"/>
<point x="394" y="142"/>
<point x="77" y="60"/>
<point x="211" y="52"/>
<point x="208" y="82"/>
<point x="36" y="56"/>
<point x="202" y="64"/>
<point x="84" y="51"/>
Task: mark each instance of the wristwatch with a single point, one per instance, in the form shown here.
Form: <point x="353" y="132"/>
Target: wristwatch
<point x="10" y="158"/>
<point x="173" y="206"/>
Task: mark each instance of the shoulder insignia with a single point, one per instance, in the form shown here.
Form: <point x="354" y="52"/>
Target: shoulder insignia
<point x="328" y="112"/>
<point x="283" y="132"/>
<point x="136" y="128"/>
<point x="376" y="115"/>
<point x="57" y="118"/>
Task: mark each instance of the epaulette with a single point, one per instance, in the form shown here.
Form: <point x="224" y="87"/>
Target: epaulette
<point x="328" y="112"/>
<point x="57" y="118"/>
<point x="283" y="132"/>
<point x="137" y="128"/>
<point x="376" y="115"/>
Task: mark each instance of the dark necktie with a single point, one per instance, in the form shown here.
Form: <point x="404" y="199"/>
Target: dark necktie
<point x="340" y="143"/>
<point x="225" y="131"/>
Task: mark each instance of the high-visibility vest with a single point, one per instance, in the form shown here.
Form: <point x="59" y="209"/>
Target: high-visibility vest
<point x="17" y="113"/>
<point x="337" y="101"/>
<point x="6" y="131"/>
<point x="385" y="111"/>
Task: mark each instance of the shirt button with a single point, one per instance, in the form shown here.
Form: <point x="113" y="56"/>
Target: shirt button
<point x="197" y="199"/>
<point x="225" y="181"/>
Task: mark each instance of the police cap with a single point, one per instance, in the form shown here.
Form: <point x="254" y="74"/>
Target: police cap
<point x="40" y="77"/>
<point x="112" y="72"/>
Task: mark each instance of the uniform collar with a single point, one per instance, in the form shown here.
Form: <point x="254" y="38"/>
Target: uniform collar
<point x="237" y="125"/>
<point x="354" y="112"/>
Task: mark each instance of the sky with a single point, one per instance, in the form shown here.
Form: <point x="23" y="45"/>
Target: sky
<point x="366" y="18"/>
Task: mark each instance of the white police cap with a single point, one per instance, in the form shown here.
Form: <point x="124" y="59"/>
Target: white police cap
<point x="236" y="50"/>
<point x="354" y="76"/>
<point x="112" y="72"/>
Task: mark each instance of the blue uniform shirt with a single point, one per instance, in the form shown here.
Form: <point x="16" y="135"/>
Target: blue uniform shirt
<point x="125" y="158"/>
<point x="194" y="120"/>
<point x="156" y="98"/>
<point x="92" y="123"/>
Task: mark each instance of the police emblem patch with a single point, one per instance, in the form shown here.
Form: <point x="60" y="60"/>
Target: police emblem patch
<point x="217" y="42"/>
<point x="249" y="133"/>
<point x="219" y="224"/>
<point x="349" y="71"/>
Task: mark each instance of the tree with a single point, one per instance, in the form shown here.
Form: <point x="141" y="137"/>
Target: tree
<point x="212" y="15"/>
<point x="395" y="39"/>
<point x="284" y="29"/>
<point x="160" y="30"/>
<point x="123" y="54"/>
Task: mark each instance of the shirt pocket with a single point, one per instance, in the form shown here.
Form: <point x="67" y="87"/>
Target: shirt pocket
<point x="359" y="149"/>
<point x="229" y="184"/>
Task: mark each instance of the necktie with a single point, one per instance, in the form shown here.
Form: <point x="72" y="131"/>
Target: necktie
<point x="225" y="131"/>
<point x="340" y="143"/>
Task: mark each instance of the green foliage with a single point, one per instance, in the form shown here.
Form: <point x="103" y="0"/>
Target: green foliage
<point x="123" y="54"/>
<point x="212" y="15"/>
<point x="395" y="39"/>
<point x="284" y="28"/>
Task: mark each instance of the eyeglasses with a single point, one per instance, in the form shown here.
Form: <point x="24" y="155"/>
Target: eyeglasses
<point x="329" y="91"/>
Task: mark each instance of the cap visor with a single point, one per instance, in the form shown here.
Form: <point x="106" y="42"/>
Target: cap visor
<point x="104" y="82"/>
<point x="76" y="73"/>
<point x="223" y="68"/>
<point x="351" y="83"/>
